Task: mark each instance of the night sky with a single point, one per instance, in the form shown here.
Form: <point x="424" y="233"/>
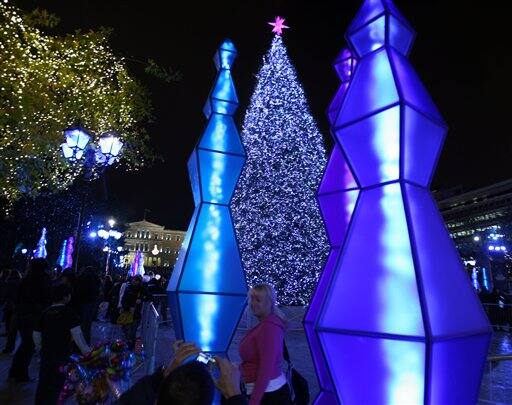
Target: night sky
<point x="462" y="54"/>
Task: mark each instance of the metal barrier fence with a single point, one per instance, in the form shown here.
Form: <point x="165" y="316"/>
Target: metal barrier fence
<point x="161" y="303"/>
<point x="497" y="380"/>
<point x="293" y="315"/>
<point x="150" y="321"/>
<point x="496" y="387"/>
<point x="500" y="315"/>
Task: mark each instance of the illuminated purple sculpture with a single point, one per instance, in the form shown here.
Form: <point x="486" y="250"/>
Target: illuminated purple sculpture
<point x="337" y="195"/>
<point x="69" y="252"/>
<point x="400" y="321"/>
<point x="207" y="290"/>
<point x="137" y="267"/>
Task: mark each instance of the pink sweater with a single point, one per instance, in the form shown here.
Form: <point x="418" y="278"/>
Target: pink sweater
<point x="261" y="351"/>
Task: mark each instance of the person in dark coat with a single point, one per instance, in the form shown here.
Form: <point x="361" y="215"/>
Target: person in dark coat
<point x="132" y="300"/>
<point x="34" y="296"/>
<point x="86" y="299"/>
<point x="58" y="326"/>
<point x="12" y="284"/>
<point x="113" y="299"/>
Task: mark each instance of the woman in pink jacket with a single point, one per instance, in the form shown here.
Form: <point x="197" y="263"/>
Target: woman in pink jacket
<point x="261" y="351"/>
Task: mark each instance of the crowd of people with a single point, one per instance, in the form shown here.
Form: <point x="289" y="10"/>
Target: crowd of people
<point x="53" y="312"/>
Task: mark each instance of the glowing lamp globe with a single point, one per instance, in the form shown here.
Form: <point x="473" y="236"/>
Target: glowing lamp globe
<point x="102" y="233"/>
<point x="155" y="250"/>
<point x="76" y="141"/>
<point x="115" y="234"/>
<point x="109" y="148"/>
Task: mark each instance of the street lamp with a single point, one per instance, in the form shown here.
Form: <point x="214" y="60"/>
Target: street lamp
<point x="109" y="147"/>
<point x="106" y="235"/>
<point x="78" y="145"/>
<point x="76" y="141"/>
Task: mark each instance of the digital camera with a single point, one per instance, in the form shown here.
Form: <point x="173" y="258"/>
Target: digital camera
<point x="207" y="359"/>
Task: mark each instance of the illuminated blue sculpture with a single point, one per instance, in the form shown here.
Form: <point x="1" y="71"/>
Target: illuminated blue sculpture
<point x="337" y="196"/>
<point x="40" y="251"/>
<point x="207" y="289"/>
<point x="400" y="321"/>
<point x="61" y="261"/>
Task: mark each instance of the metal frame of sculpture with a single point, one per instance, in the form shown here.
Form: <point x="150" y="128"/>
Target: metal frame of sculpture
<point x="337" y="195"/>
<point x="207" y="290"/>
<point x="399" y="321"/>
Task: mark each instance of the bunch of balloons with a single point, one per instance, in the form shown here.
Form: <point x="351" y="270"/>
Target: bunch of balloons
<point x="90" y="377"/>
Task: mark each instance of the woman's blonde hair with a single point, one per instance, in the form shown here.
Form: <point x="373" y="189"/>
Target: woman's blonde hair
<point x="270" y="293"/>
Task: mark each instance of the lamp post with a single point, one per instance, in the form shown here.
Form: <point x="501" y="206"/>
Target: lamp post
<point x="94" y="158"/>
<point x="106" y="235"/>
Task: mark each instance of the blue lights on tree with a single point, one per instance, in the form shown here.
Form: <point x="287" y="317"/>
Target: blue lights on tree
<point x="399" y="317"/>
<point x="277" y="219"/>
<point x="207" y="290"/>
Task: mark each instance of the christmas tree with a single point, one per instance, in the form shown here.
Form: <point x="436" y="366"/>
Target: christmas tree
<point x="277" y="220"/>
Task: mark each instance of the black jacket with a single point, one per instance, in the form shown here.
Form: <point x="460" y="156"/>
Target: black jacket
<point x="130" y="297"/>
<point x="145" y="392"/>
<point x="34" y="296"/>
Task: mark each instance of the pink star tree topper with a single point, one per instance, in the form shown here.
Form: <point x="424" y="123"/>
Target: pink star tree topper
<point x="278" y="25"/>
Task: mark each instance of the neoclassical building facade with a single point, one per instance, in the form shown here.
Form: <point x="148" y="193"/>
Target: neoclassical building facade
<point x="160" y="246"/>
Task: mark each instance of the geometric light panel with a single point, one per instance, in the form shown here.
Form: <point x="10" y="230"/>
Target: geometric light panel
<point x="398" y="321"/>
<point x="207" y="290"/>
<point x="337" y="196"/>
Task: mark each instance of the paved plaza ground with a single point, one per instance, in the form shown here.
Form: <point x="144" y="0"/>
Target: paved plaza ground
<point x="496" y="387"/>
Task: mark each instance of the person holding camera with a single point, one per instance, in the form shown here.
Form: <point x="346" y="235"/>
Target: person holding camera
<point x="261" y="351"/>
<point x="186" y="382"/>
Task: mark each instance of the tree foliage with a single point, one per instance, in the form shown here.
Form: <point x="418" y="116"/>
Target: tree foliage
<point x="48" y="83"/>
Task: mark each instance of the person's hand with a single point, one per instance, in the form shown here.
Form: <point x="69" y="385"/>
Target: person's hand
<point x="182" y="351"/>
<point x="229" y="380"/>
